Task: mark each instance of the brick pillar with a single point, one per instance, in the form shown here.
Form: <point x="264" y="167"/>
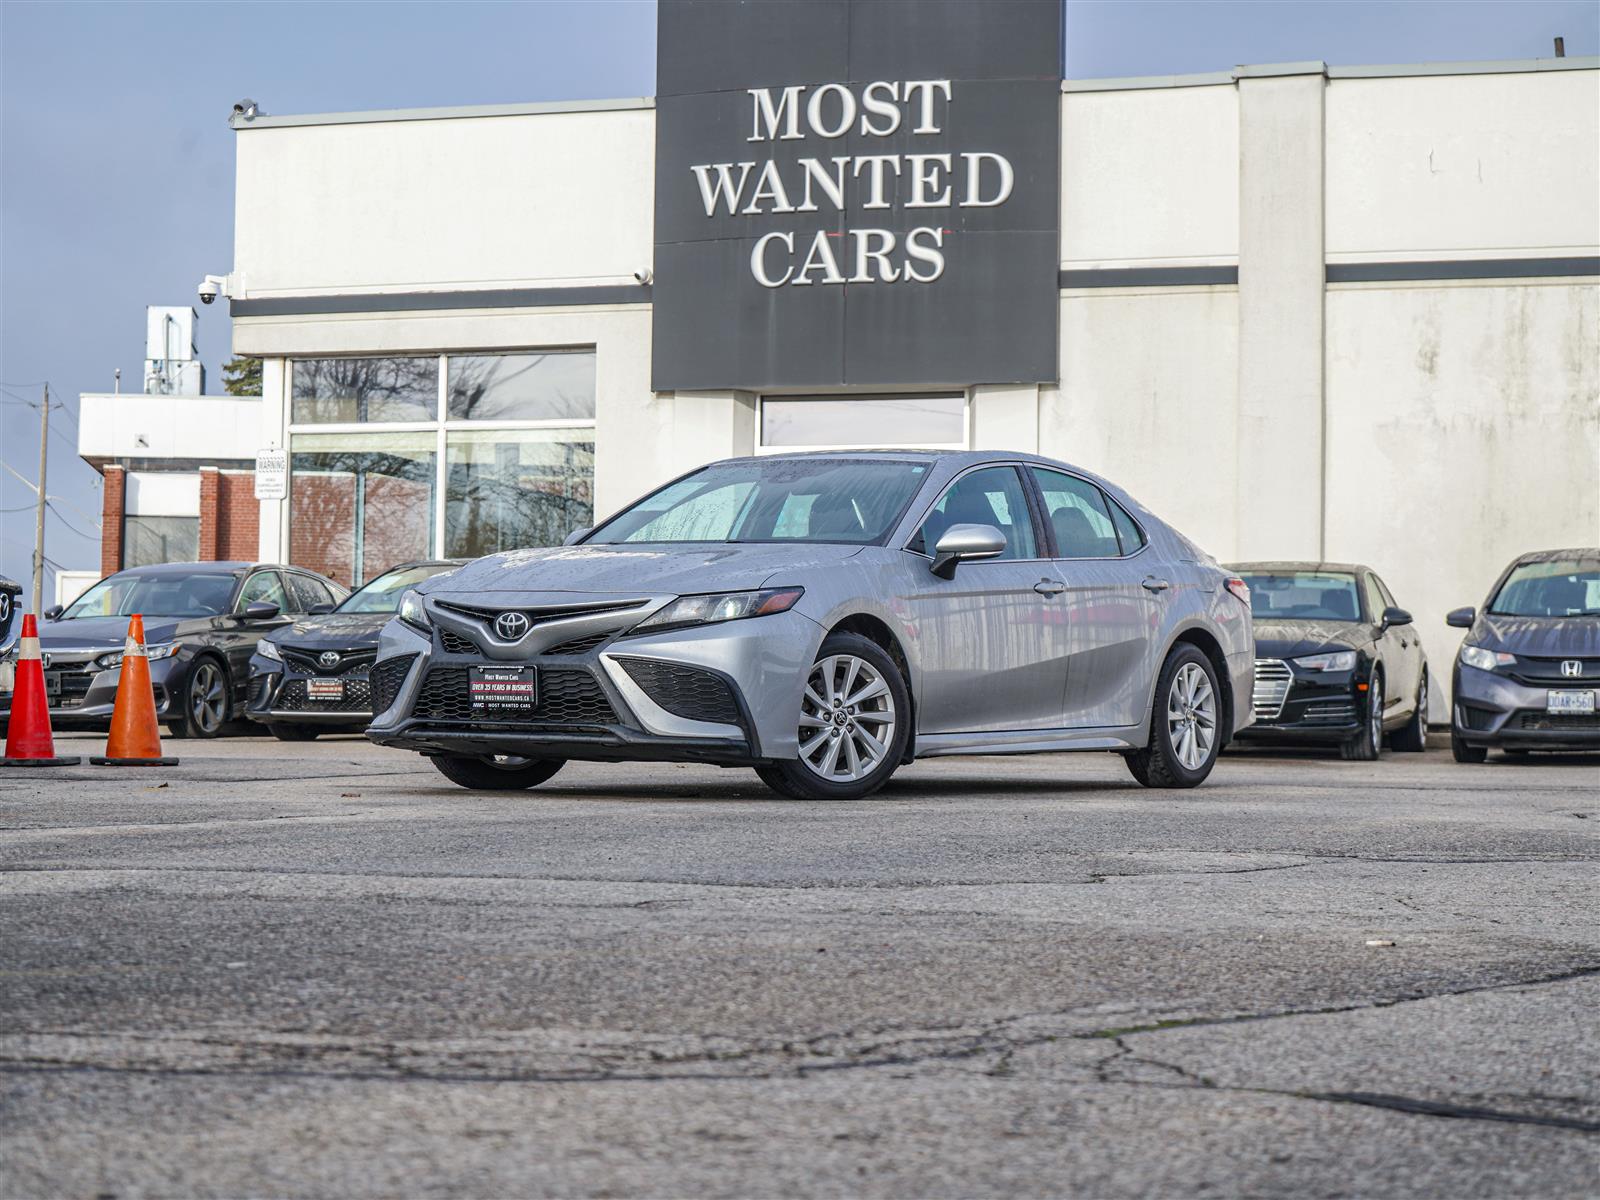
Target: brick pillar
<point x="111" y="499"/>
<point x="211" y="516"/>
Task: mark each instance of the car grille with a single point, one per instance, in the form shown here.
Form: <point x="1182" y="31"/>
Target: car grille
<point x="74" y="687"/>
<point x="688" y="692"/>
<point x="566" y="697"/>
<point x="454" y="643"/>
<point x="349" y="660"/>
<point x="1546" y="672"/>
<point x="387" y="678"/>
<point x="1540" y="722"/>
<point x="580" y="645"/>
<point x="1273" y="679"/>
<point x="292" y="697"/>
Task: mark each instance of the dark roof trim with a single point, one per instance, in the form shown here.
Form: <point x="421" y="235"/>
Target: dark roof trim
<point x="1465" y="268"/>
<point x="1100" y="277"/>
<point x="293" y="306"/>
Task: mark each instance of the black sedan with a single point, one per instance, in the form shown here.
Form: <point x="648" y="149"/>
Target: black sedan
<point x="1337" y="661"/>
<point x="201" y="622"/>
<point x="311" y="676"/>
<point x="1527" y="676"/>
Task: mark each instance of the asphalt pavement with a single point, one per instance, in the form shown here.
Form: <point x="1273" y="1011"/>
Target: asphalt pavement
<point x="322" y="970"/>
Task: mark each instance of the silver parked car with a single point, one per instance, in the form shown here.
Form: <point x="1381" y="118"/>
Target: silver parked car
<point x="825" y="618"/>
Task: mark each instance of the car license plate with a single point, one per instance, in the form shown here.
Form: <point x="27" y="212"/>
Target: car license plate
<point x="1569" y="702"/>
<point x="503" y="689"/>
<point x="325" y="689"/>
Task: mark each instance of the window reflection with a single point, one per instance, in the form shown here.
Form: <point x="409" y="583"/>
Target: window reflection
<point x="360" y="503"/>
<point x="509" y="489"/>
<point x="555" y="385"/>
<point x="328" y="391"/>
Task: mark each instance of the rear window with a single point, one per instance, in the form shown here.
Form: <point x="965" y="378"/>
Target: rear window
<point x="1304" y="595"/>
<point x="1562" y="588"/>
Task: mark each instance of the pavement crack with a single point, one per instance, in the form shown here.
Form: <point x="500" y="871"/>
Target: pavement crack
<point x="1435" y="1108"/>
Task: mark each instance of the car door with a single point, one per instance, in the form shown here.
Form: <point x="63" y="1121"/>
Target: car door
<point x="1114" y="603"/>
<point x="1403" y="650"/>
<point x="990" y="637"/>
<point x="241" y="635"/>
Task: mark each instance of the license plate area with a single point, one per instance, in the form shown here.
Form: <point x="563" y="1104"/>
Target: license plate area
<point x="1581" y="703"/>
<point x="324" y="689"/>
<point x="503" y="690"/>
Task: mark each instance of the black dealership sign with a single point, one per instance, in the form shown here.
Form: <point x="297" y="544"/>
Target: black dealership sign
<point x="856" y="192"/>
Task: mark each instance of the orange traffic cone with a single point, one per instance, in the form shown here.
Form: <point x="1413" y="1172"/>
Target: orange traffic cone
<point x="135" y="739"/>
<point x="28" y="740"/>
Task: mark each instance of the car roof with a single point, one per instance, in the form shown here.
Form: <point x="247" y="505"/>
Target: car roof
<point x="1295" y="565"/>
<point x="189" y="568"/>
<point x="1534" y="556"/>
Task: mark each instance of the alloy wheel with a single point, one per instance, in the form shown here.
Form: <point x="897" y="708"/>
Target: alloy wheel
<point x="1192" y="716"/>
<point x="208" y="700"/>
<point x="1375" y="715"/>
<point x="847" y="719"/>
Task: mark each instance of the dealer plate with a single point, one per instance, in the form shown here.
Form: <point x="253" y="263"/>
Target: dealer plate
<point x="503" y="689"/>
<point x="324" y="689"/>
<point x="1569" y="702"/>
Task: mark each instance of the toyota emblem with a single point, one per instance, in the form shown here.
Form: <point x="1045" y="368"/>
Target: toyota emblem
<point x="510" y="626"/>
<point x="1572" y="667"/>
<point x="5" y="608"/>
<point x="328" y="659"/>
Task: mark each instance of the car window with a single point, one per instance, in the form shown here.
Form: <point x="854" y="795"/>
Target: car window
<point x="1568" y="587"/>
<point x="1375" y="604"/>
<point x="1078" y="516"/>
<point x="990" y="496"/>
<point x="164" y="593"/>
<point x="1128" y="531"/>
<point x="309" y="592"/>
<point x="1303" y="595"/>
<point x="1383" y="590"/>
<point x="263" y="586"/>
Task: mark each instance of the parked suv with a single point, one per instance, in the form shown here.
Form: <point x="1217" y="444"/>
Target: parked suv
<point x="1527" y="676"/>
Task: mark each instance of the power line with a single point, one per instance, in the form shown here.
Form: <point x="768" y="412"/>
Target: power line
<point x="93" y="537"/>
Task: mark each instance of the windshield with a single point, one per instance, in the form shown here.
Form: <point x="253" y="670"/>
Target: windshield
<point x="1304" y="596"/>
<point x="773" y="500"/>
<point x="1568" y="587"/>
<point x="383" y="594"/>
<point x="203" y="594"/>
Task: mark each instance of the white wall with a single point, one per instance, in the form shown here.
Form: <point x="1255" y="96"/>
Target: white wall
<point x="133" y="425"/>
<point x="460" y="204"/>
<point x="162" y="494"/>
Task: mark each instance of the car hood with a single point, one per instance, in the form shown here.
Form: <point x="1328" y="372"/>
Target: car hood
<point x="1540" y="637"/>
<point x="333" y="631"/>
<point x="637" y="569"/>
<point x="112" y="632"/>
<point x="1293" y="639"/>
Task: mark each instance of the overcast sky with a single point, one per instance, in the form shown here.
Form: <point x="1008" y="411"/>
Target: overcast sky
<point x="116" y="161"/>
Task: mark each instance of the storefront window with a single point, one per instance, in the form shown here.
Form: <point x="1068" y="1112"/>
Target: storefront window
<point x="147" y="541"/>
<point x="555" y="385"/>
<point x="360" y="503"/>
<point x="838" y="422"/>
<point x="508" y="489"/>
<point x="328" y="391"/>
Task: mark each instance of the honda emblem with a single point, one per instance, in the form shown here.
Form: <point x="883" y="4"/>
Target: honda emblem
<point x="510" y="626"/>
<point x="1572" y="667"/>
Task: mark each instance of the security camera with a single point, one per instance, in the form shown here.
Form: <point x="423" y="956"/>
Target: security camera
<point x="211" y="287"/>
<point x="644" y="276"/>
<point x="248" y="109"/>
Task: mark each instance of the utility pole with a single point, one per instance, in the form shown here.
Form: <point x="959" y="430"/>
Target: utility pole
<point x="38" y="520"/>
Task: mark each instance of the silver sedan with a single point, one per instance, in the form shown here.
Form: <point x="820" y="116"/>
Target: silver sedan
<point x="825" y="618"/>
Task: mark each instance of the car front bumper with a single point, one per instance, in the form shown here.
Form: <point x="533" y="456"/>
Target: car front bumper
<point x="86" y="698"/>
<point x="281" y="696"/>
<point x="727" y="693"/>
<point x="1489" y="709"/>
<point x="1300" y="707"/>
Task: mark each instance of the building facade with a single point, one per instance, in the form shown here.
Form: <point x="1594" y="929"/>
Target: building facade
<point x="1301" y="311"/>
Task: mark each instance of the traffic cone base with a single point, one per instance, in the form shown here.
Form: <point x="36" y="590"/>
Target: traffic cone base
<point x="28" y="740"/>
<point x="135" y="739"/>
<point x="71" y="761"/>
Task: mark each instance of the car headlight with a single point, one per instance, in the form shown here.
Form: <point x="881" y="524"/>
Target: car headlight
<point x="1485" y="660"/>
<point x="411" y="610"/>
<point x="267" y="650"/>
<point x="1337" y="660"/>
<point x="721" y="606"/>
<point x="109" y="662"/>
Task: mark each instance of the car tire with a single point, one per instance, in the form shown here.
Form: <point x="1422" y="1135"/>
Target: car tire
<point x="1178" y="754"/>
<point x="294" y="733"/>
<point x="1412" y="738"/>
<point x="1367" y="746"/>
<point x="1463" y="753"/>
<point x="496" y="773"/>
<point x="204" y="700"/>
<point x="837" y="732"/>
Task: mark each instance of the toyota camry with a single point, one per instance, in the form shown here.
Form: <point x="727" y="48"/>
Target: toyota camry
<point x="825" y="618"/>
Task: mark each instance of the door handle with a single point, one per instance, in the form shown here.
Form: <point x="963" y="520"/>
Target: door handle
<point x="1049" y="587"/>
<point x="1152" y="584"/>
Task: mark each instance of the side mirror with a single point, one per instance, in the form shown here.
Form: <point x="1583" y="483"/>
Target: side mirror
<point x="54" y="611"/>
<point x="1461" y="618"/>
<point x="964" y="543"/>
<point x="577" y="535"/>
<point x="319" y="610"/>
<point x="259" y="610"/>
<point x="1393" y="616"/>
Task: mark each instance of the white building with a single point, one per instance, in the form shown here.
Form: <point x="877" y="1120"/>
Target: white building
<point x="1303" y="312"/>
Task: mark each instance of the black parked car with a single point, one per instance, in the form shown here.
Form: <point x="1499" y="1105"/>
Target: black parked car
<point x="311" y="676"/>
<point x="1337" y="661"/>
<point x="201" y="621"/>
<point x="1527" y="676"/>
